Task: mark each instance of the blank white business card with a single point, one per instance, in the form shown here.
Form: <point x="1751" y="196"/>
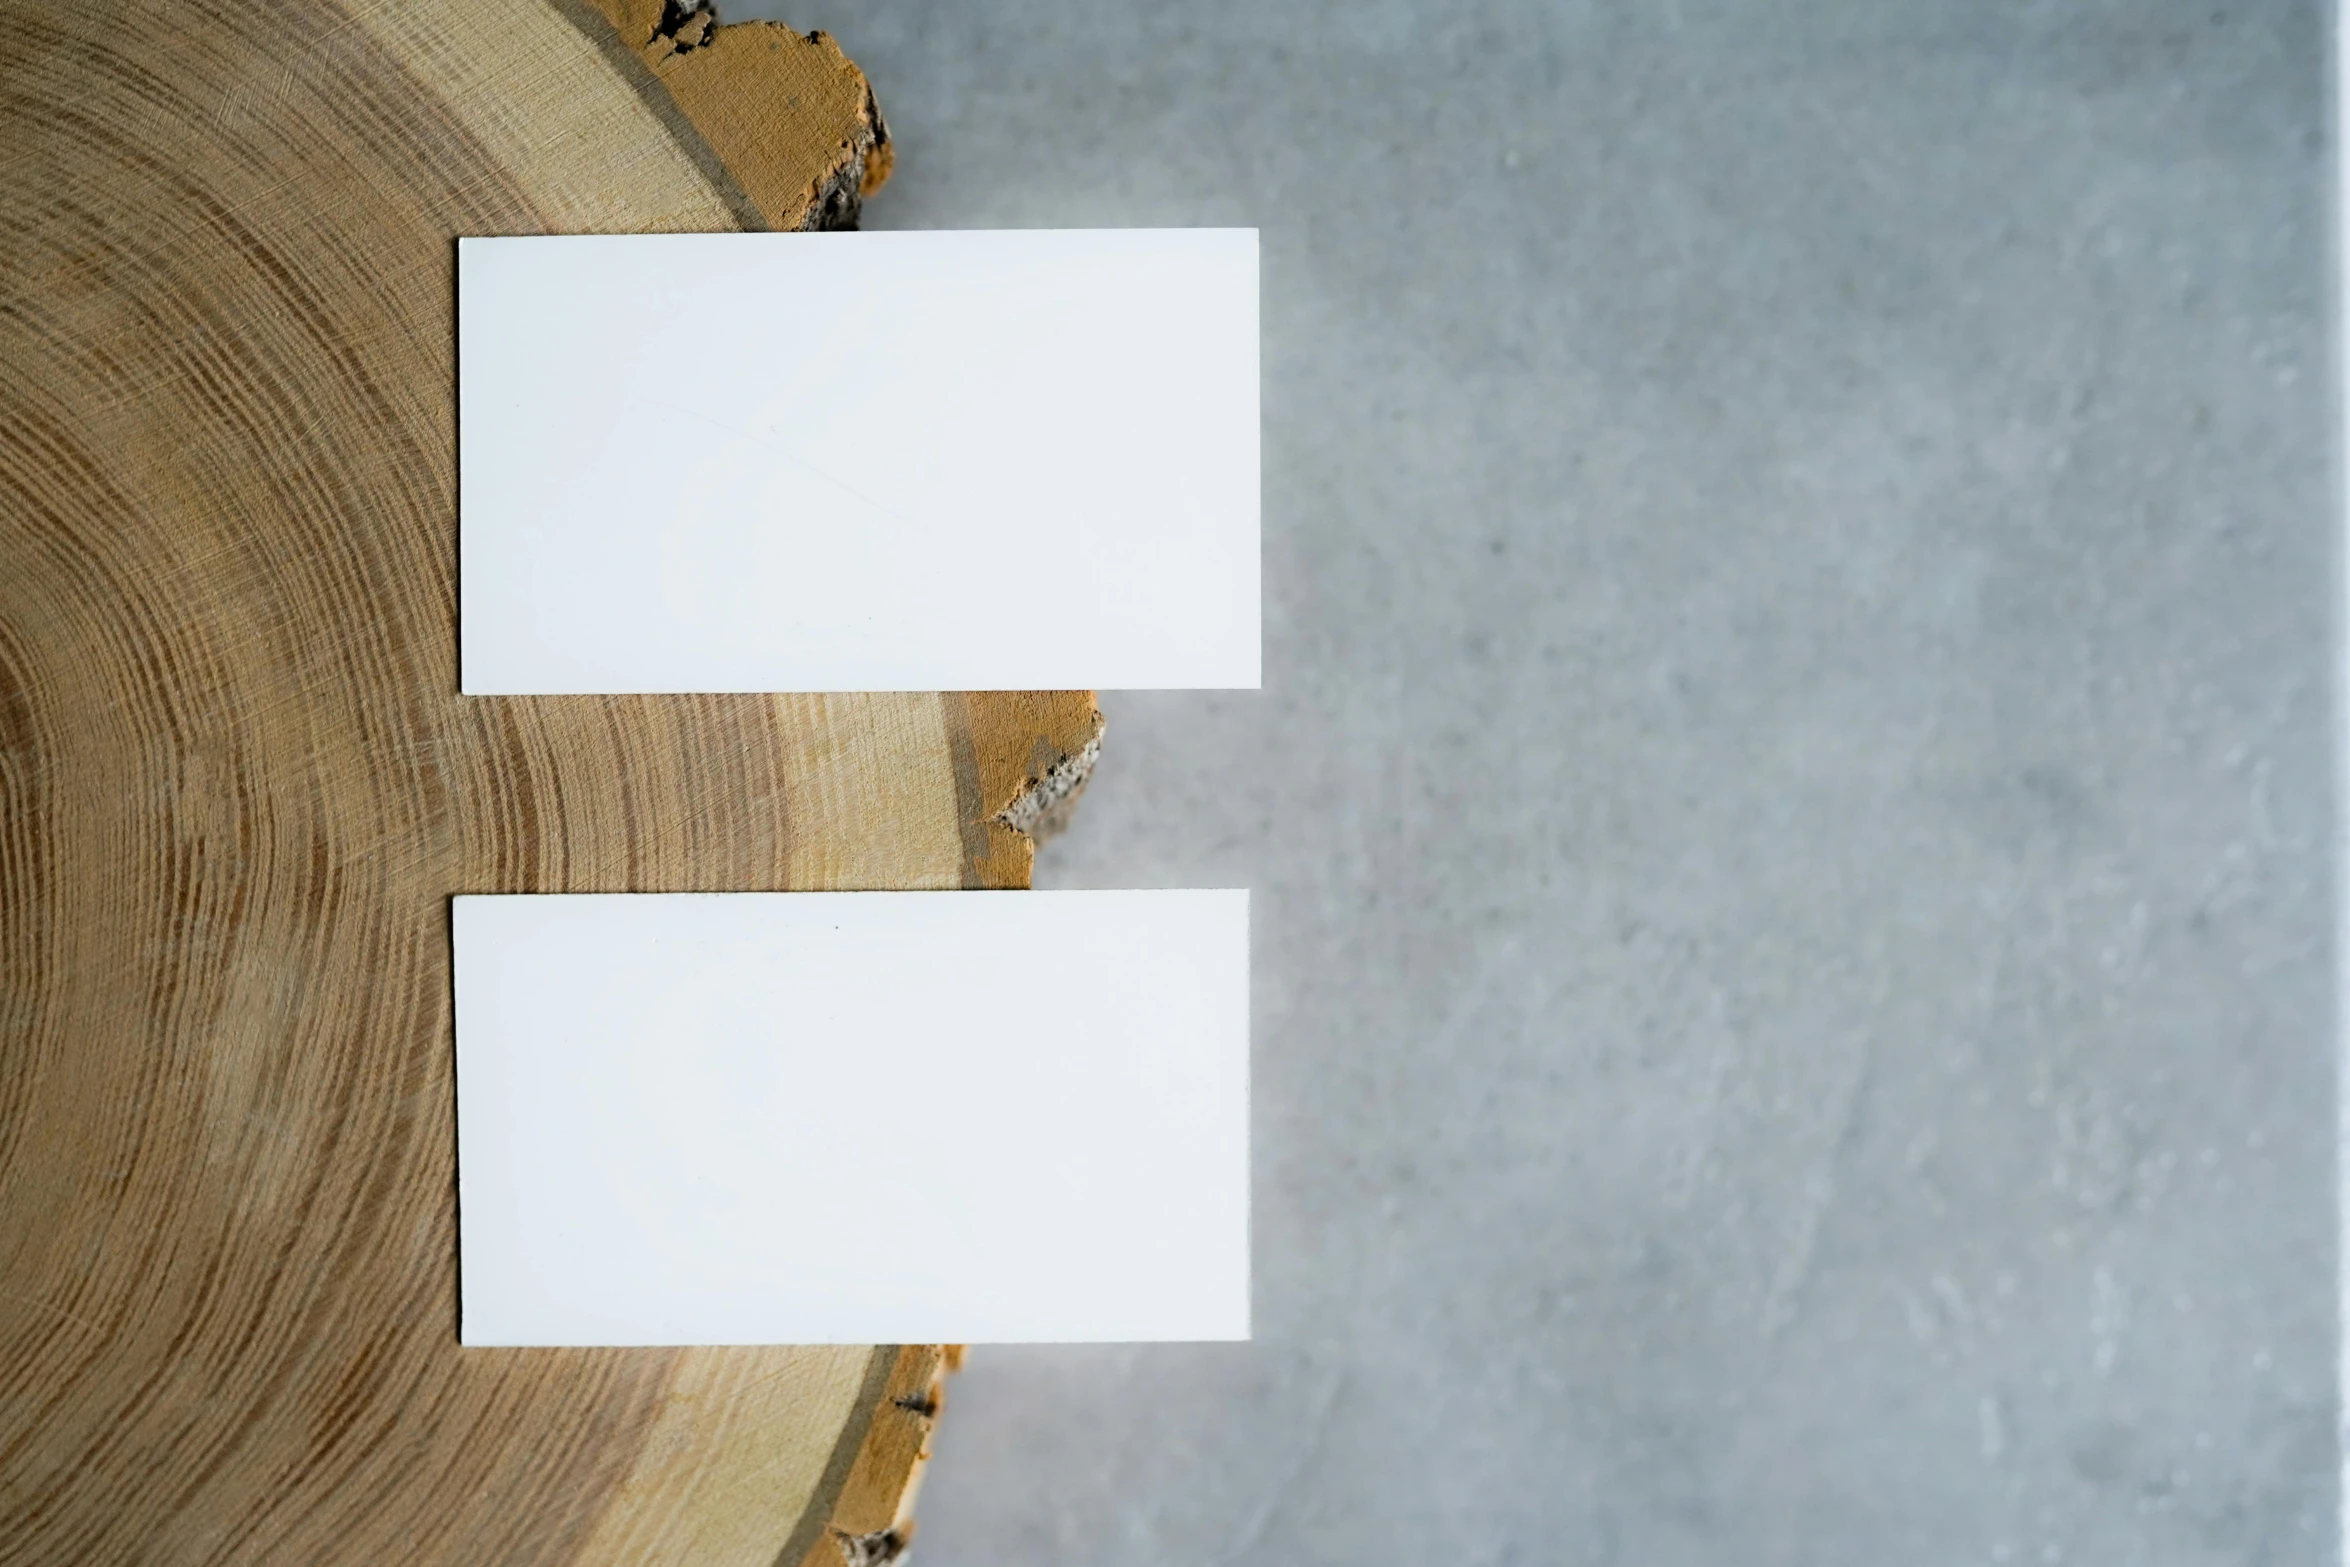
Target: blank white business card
<point x="871" y="1117"/>
<point x="1022" y="460"/>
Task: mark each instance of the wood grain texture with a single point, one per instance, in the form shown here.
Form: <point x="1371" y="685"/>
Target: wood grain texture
<point x="238" y="787"/>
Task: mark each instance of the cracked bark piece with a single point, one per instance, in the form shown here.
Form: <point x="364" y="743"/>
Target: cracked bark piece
<point x="238" y="787"/>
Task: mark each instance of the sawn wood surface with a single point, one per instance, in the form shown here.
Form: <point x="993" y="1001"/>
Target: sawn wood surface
<point x="238" y="788"/>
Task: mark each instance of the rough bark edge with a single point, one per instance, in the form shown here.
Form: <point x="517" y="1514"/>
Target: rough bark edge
<point x="1021" y="760"/>
<point x="872" y="1522"/>
<point x="1045" y="804"/>
<point x="786" y="114"/>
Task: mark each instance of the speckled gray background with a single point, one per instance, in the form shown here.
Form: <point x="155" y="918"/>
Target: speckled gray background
<point x="1790" y="807"/>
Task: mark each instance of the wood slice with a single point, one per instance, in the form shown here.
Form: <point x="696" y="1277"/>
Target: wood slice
<point x="238" y="788"/>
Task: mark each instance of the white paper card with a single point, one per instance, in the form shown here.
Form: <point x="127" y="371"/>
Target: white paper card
<point x="870" y="1118"/>
<point x="1021" y="460"/>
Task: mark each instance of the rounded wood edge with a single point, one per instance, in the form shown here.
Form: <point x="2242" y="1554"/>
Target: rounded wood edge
<point x="1022" y="759"/>
<point x="787" y="114"/>
<point x="872" y="1520"/>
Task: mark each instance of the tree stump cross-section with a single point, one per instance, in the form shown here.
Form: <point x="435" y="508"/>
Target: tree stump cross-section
<point x="238" y="788"/>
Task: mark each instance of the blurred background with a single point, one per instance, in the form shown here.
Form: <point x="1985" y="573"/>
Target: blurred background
<point x="1790" y="813"/>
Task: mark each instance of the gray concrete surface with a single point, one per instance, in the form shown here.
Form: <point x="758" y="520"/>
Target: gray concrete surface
<point x="1790" y="812"/>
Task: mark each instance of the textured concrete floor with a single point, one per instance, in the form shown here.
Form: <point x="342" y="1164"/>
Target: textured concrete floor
<point x="1790" y="809"/>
